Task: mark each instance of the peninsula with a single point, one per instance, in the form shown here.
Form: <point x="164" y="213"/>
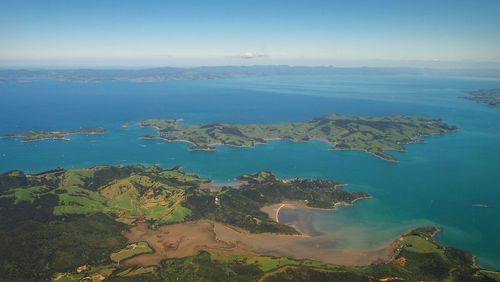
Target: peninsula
<point x="137" y="223"/>
<point x="490" y="97"/>
<point x="32" y="136"/>
<point x="374" y="135"/>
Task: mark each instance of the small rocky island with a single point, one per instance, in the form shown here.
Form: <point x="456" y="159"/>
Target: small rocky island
<point x="374" y="135"/>
<point x="32" y="136"/>
<point x="490" y="97"/>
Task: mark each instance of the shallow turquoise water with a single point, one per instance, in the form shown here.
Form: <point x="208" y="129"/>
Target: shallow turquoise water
<point x="433" y="184"/>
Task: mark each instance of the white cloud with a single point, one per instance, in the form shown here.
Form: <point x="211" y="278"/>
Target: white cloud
<point x="250" y="55"/>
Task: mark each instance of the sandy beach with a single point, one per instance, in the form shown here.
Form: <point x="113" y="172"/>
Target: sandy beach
<point x="273" y="210"/>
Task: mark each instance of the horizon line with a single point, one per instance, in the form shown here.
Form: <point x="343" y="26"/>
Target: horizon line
<point x="491" y="65"/>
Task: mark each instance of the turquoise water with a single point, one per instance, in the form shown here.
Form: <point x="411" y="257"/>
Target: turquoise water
<point x="433" y="184"/>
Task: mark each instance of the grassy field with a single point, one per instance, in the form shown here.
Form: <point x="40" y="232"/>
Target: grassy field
<point x="415" y="243"/>
<point x="134" y="272"/>
<point x="131" y="250"/>
<point x="266" y="263"/>
<point x="90" y="273"/>
<point x="133" y="195"/>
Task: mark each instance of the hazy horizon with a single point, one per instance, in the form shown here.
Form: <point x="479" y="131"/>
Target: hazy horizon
<point x="437" y="67"/>
<point x="113" y="34"/>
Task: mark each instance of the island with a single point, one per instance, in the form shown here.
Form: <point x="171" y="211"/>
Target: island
<point x="490" y="97"/>
<point x="147" y="223"/>
<point x="32" y="136"/>
<point x="374" y="135"/>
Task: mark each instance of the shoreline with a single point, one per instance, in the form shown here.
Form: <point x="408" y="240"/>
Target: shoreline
<point x="334" y="147"/>
<point x="43" y="139"/>
<point x="57" y="135"/>
<point x="273" y="210"/>
<point x="305" y="229"/>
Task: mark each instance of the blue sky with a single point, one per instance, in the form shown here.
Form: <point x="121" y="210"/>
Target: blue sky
<point x="189" y="33"/>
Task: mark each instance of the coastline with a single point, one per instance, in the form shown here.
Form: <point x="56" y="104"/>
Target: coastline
<point x="56" y="135"/>
<point x="44" y="139"/>
<point x="273" y="211"/>
<point x="334" y="147"/>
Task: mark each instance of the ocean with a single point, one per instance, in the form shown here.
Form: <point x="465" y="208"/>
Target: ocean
<point x="435" y="183"/>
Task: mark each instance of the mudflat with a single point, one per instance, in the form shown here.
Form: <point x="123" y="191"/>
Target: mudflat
<point x="188" y="239"/>
<point x="178" y="241"/>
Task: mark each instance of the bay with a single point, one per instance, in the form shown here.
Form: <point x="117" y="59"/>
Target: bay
<point x="435" y="183"/>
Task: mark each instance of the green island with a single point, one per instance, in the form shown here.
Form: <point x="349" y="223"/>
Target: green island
<point x="374" y="135"/>
<point x="111" y="222"/>
<point x="32" y="136"/>
<point x="490" y="97"/>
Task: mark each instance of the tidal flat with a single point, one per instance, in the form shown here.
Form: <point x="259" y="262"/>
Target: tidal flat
<point x="188" y="239"/>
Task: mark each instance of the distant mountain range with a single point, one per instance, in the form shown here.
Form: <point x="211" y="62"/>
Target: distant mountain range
<point x="219" y="72"/>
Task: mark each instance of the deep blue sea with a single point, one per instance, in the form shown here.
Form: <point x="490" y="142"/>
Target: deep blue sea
<point x="435" y="183"/>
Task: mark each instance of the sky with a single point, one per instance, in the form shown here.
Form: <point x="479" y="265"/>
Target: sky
<point x="294" y="32"/>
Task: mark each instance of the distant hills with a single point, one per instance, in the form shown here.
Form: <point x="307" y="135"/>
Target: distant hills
<point x="221" y="72"/>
